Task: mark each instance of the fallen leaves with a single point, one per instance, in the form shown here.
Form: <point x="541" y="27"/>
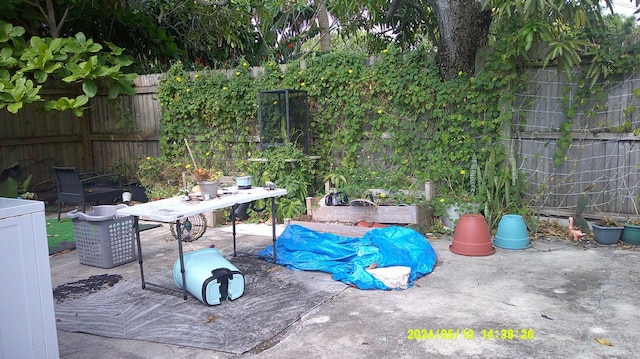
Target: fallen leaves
<point x="210" y="318"/>
<point x="548" y="229"/>
<point x="604" y="342"/>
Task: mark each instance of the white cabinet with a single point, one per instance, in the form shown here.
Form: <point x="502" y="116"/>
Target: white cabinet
<point x="27" y="319"/>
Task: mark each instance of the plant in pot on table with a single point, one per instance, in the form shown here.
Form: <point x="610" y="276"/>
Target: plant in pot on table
<point x="208" y="181"/>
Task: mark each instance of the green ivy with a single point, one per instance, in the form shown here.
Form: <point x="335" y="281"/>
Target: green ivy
<point x="392" y="116"/>
<point x="209" y="109"/>
<point x="288" y="167"/>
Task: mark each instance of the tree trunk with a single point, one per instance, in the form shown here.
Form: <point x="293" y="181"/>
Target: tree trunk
<point x="463" y="28"/>
<point x="53" y="25"/>
<point x="323" y="24"/>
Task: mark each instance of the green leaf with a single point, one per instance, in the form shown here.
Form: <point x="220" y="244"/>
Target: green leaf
<point x="89" y="87"/>
<point x="40" y="76"/>
<point x="114" y="91"/>
<point x="80" y="101"/>
<point x="82" y="40"/>
<point x="14" y="107"/>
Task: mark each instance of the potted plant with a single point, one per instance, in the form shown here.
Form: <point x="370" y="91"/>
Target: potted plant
<point x="607" y="231"/>
<point x="631" y="232"/>
<point x="208" y="180"/>
<point x="456" y="206"/>
<point x="457" y="196"/>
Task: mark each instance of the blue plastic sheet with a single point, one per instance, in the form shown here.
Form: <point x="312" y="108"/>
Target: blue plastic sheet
<point x="347" y="258"/>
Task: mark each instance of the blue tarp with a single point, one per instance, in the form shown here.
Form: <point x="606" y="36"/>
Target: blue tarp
<point x="347" y="258"/>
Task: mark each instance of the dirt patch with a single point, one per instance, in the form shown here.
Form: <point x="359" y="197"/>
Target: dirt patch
<point x="84" y="287"/>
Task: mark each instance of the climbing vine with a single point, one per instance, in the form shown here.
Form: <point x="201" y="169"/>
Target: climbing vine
<point x="392" y="113"/>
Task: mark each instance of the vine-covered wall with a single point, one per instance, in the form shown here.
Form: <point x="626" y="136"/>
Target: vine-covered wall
<point x="394" y="115"/>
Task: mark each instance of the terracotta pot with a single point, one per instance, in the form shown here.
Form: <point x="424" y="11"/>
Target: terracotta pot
<point x="471" y="236"/>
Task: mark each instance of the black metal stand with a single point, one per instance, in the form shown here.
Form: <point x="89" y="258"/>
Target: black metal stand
<point x="274" y="208"/>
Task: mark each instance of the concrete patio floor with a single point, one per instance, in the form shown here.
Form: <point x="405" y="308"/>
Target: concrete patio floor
<point x="553" y="300"/>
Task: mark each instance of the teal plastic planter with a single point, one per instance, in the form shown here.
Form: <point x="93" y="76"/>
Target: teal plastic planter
<point x="512" y="233"/>
<point x="631" y="234"/>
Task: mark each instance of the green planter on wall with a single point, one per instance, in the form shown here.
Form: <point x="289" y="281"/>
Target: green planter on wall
<point x="631" y="234"/>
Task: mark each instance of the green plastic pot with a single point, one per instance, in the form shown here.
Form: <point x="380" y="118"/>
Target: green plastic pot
<point x="631" y="234"/>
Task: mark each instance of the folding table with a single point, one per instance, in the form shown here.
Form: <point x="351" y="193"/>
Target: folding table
<point x="176" y="209"/>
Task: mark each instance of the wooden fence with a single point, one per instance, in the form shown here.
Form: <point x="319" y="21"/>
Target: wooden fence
<point x="113" y="135"/>
<point x="110" y="136"/>
<point x="604" y="151"/>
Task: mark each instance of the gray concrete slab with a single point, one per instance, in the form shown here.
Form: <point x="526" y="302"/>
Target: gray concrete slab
<point x="550" y="301"/>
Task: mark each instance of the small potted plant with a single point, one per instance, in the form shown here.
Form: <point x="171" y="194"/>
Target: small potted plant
<point x="457" y="197"/>
<point x="183" y="193"/>
<point x="607" y="231"/>
<point x="208" y="180"/>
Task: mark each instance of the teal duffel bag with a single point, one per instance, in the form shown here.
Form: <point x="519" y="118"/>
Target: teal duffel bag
<point x="209" y="276"/>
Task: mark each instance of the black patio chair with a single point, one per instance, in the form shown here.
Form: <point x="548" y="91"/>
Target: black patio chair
<point x="86" y="188"/>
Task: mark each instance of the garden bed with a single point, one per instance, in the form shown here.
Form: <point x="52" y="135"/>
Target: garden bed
<point x="408" y="214"/>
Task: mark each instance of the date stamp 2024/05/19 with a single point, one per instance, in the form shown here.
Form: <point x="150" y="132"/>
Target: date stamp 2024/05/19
<point x="470" y="334"/>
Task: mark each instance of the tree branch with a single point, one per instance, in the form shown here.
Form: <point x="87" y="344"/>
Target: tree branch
<point x="396" y="4"/>
<point x="50" y="16"/>
<point x="393" y="8"/>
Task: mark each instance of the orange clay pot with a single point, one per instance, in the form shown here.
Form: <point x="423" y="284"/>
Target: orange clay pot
<point x="471" y="236"/>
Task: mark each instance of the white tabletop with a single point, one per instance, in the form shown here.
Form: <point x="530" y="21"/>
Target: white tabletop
<point x="13" y="207"/>
<point x="174" y="208"/>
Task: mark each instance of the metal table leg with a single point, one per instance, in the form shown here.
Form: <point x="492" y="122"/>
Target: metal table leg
<point x="181" y="256"/>
<point x="273" y="227"/>
<point x="136" y="228"/>
<point x="233" y="226"/>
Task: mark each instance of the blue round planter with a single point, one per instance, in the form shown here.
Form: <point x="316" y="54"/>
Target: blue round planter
<point x="512" y="233"/>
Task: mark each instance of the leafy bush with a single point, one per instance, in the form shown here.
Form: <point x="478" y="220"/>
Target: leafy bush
<point x="288" y="167"/>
